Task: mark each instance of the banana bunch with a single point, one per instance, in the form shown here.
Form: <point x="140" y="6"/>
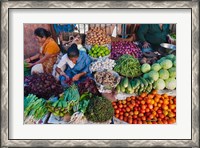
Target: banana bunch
<point x="35" y="107"/>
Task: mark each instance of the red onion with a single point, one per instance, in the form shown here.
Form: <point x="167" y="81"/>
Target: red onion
<point x="125" y="47"/>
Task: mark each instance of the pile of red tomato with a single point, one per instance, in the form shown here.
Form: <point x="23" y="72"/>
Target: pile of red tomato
<point x="146" y="108"/>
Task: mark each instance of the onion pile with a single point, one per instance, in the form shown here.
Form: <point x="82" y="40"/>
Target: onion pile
<point x="97" y="35"/>
<point x="125" y="47"/>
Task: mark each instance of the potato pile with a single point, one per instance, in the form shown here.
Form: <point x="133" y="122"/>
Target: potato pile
<point x="97" y="35"/>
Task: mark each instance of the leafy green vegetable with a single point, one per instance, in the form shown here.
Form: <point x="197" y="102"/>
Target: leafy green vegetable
<point x="99" y="110"/>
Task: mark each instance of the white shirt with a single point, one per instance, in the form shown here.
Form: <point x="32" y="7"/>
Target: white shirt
<point x="65" y="60"/>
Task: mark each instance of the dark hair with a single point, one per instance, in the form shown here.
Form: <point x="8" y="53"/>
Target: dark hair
<point x="73" y="51"/>
<point x="41" y="32"/>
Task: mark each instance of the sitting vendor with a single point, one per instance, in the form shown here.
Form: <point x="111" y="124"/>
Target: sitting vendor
<point x="47" y="55"/>
<point x="77" y="65"/>
<point x="152" y="35"/>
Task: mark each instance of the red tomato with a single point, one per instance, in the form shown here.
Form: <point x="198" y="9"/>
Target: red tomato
<point x="144" y="118"/>
<point x="117" y="111"/>
<point x="139" y="122"/>
<point x="147" y="110"/>
<point x="121" y="117"/>
<point x="130" y="121"/>
<point x="150" y="106"/>
<point x="128" y="109"/>
<point x="161" y="116"/>
<point x="134" y="121"/>
<point x="117" y="115"/>
<point x="159" y="111"/>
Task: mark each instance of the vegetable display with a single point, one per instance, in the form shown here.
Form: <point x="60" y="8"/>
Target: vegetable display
<point x="146" y="108"/>
<point x="99" y="51"/>
<point x="137" y="85"/>
<point x="67" y="102"/>
<point x="163" y="73"/>
<point x="35" y="107"/>
<point x="125" y="47"/>
<point x="128" y="66"/>
<point x="102" y="64"/>
<point x="106" y="78"/>
<point x="97" y="35"/>
<point x="99" y="110"/>
<point x="42" y="85"/>
<point x="88" y="86"/>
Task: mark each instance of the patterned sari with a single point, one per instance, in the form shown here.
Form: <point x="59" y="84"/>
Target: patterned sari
<point x="49" y="47"/>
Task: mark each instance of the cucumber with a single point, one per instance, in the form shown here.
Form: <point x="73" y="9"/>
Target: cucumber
<point x="144" y="81"/>
<point x="118" y="88"/>
<point x="122" y="89"/>
<point x="129" y="86"/>
<point x="137" y="83"/>
<point x="125" y="82"/>
<point x="151" y="80"/>
<point x="141" y="83"/>
<point x="133" y="84"/>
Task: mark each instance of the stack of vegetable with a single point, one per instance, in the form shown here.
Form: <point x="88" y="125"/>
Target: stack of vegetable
<point x="149" y="57"/>
<point x="99" y="51"/>
<point x="42" y="85"/>
<point x="137" y="85"/>
<point x="97" y="35"/>
<point x="68" y="102"/>
<point x="107" y="78"/>
<point x="125" y="47"/>
<point x="35" y="107"/>
<point x="146" y="108"/>
<point x="163" y="72"/>
<point x="99" y="110"/>
<point x="88" y="86"/>
<point x="27" y="70"/>
<point x="128" y="66"/>
<point x="102" y="64"/>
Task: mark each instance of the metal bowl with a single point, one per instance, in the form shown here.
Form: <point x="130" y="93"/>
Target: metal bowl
<point x="168" y="46"/>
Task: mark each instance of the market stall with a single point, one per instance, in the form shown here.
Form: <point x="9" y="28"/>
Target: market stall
<point x="127" y="86"/>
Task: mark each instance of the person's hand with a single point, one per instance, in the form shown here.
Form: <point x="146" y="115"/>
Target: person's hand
<point x="146" y="45"/>
<point x="28" y="60"/>
<point x="30" y="65"/>
<point x="76" y="77"/>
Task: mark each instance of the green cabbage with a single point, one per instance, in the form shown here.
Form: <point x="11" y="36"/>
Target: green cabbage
<point x="154" y="75"/>
<point x="174" y="63"/>
<point x="162" y="59"/>
<point x="170" y="83"/>
<point x="166" y="64"/>
<point x="159" y="84"/>
<point x="170" y="57"/>
<point x="172" y="72"/>
<point x="145" y="68"/>
<point x="156" y="67"/>
<point x="164" y="74"/>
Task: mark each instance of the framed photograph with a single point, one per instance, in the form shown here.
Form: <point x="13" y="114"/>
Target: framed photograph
<point x="36" y="109"/>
